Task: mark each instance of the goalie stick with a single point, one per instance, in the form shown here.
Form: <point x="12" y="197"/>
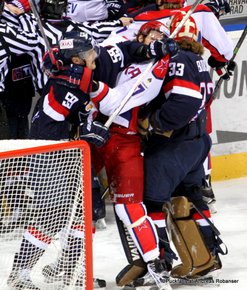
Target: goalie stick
<point x="235" y="51"/>
<point x="149" y="66"/>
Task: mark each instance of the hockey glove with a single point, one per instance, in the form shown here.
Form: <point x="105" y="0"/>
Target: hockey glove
<point x="143" y="126"/>
<point x="219" y="7"/>
<point x="116" y="9"/>
<point x="21" y="4"/>
<point x="157" y="49"/>
<point x="94" y="132"/>
<point x="231" y="67"/>
<point x="223" y="69"/>
<point x="171" y="46"/>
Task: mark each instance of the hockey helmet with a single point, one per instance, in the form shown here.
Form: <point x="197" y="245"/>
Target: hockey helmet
<point x="188" y="31"/>
<point x="53" y="9"/>
<point x="153" y="25"/>
<point x="219" y="7"/>
<point x="76" y="43"/>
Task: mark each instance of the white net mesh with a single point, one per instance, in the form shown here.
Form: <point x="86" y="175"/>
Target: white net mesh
<point x="42" y="225"/>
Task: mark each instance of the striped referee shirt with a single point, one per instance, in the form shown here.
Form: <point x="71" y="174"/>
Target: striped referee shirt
<point x="54" y="30"/>
<point x="16" y="40"/>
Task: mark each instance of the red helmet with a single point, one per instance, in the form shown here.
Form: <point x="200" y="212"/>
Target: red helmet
<point x="188" y="31"/>
<point x="153" y="25"/>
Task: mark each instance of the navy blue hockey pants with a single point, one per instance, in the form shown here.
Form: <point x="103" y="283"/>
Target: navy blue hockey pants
<point x="170" y="163"/>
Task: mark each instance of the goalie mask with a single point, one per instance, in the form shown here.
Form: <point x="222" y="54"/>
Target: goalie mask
<point x="188" y="31"/>
<point x="77" y="43"/>
<point x="53" y="9"/>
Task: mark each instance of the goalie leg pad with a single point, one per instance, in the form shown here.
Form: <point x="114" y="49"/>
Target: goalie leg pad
<point x="131" y="272"/>
<point x="136" y="266"/>
<point x="196" y="258"/>
<point x="193" y="252"/>
<point x="139" y="238"/>
<point x="141" y="228"/>
<point x="180" y="207"/>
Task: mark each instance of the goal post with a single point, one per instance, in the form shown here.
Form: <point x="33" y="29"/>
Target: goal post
<point x="46" y="212"/>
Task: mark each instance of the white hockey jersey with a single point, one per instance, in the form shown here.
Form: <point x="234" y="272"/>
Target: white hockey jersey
<point x="109" y="99"/>
<point x="214" y="37"/>
<point x="80" y="11"/>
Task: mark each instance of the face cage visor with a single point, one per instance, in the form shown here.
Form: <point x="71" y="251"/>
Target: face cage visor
<point x="95" y="46"/>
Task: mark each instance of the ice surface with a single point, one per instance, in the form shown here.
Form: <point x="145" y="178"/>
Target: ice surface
<point x="231" y="220"/>
<point x="109" y="258"/>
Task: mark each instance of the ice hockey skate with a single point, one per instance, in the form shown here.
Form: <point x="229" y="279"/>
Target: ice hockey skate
<point x="156" y="278"/>
<point x="20" y="280"/>
<point x="53" y="274"/>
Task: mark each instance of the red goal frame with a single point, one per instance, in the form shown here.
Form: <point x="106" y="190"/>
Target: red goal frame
<point x="86" y="176"/>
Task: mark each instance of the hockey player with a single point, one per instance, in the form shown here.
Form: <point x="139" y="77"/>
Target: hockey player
<point x="65" y="101"/>
<point x="175" y="151"/>
<point x="124" y="166"/>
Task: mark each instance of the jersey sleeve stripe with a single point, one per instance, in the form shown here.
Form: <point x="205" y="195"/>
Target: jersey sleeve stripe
<point x="181" y="83"/>
<point x="186" y="92"/>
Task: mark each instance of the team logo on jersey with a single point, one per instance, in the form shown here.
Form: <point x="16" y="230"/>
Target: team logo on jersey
<point x="161" y="68"/>
<point x="148" y="82"/>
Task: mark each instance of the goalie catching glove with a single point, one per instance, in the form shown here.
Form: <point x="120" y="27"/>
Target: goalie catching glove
<point x="94" y="132"/>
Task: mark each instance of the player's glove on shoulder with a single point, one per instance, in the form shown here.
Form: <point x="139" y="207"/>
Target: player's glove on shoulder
<point x="94" y="132"/>
<point x="159" y="48"/>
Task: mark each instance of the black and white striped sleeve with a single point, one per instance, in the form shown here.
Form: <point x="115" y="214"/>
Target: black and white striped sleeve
<point x="100" y="30"/>
<point x="3" y="66"/>
<point x="9" y="17"/>
<point x="25" y="39"/>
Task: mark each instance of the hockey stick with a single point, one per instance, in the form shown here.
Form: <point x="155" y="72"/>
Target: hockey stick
<point x="41" y="28"/>
<point x="149" y="66"/>
<point x="235" y="51"/>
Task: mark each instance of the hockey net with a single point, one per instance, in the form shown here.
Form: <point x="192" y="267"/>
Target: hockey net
<point x="46" y="215"/>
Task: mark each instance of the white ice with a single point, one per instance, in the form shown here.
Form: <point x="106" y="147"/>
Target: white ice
<point x="109" y="257"/>
<point x="231" y="220"/>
